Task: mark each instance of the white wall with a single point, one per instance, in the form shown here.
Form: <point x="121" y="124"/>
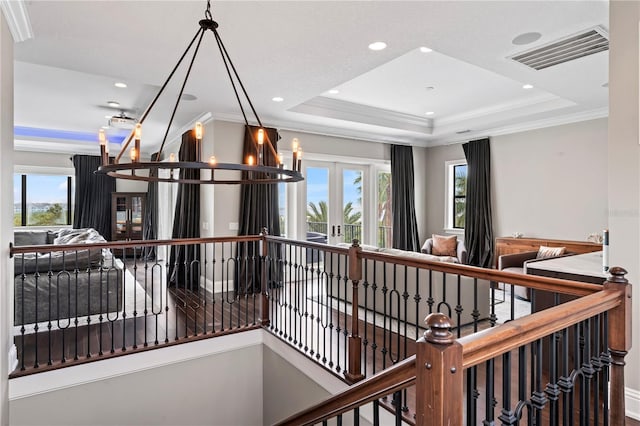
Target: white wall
<point x="551" y="183"/>
<point x="224" y="389"/>
<point x="624" y="166"/>
<point x="546" y="183"/>
<point x="6" y="213"/>
<point x="286" y="389"/>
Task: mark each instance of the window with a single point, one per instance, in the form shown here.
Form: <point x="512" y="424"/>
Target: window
<point x="384" y="213"/>
<point x="456" y="193"/>
<point x="42" y="199"/>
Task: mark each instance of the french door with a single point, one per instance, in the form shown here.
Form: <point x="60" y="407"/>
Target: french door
<point x="336" y="203"/>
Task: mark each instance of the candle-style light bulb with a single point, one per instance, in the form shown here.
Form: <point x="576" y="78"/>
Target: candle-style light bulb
<point x="280" y="160"/>
<point x="138" y="134"/>
<point x="172" y="157"/>
<point x="250" y="160"/>
<point x="138" y="131"/>
<point x="198" y="134"/>
<point x="294" y="144"/>
<point x="260" y="136"/>
<point x="299" y="159"/>
<point x="104" y="151"/>
<point x="212" y="160"/>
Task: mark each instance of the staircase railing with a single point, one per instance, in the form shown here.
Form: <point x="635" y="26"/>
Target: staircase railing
<point x="355" y="311"/>
<point x="443" y="364"/>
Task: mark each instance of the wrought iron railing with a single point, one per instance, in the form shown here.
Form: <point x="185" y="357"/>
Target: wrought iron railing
<point x="356" y="312"/>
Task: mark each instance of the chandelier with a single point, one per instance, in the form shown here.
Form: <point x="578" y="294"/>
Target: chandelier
<point x="254" y="170"/>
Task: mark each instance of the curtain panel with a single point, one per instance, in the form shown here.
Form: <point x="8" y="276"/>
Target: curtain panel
<point x="403" y="203"/>
<point x="258" y="210"/>
<point x="184" y="261"/>
<point x="478" y="228"/>
<point x="92" y="196"/>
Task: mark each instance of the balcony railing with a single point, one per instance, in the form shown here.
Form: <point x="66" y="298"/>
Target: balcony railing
<point x="357" y="313"/>
<point x="350" y="232"/>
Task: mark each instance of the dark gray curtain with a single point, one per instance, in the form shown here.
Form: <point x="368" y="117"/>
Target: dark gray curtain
<point x="403" y="204"/>
<point x="150" y="225"/>
<point x="258" y="209"/>
<point x="478" y="227"/>
<point x="92" y="196"/>
<point x="184" y="265"/>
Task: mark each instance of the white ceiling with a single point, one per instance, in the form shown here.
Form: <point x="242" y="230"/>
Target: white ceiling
<point x="299" y="50"/>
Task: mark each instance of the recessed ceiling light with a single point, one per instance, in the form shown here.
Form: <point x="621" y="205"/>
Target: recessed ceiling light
<point x="105" y="127"/>
<point x="188" y="97"/>
<point x="424" y="49"/>
<point x="120" y="84"/>
<point x="108" y="117"/>
<point x="113" y="104"/>
<point x="334" y="91"/>
<point x="605" y="84"/>
<point x="378" y="45"/>
<point x="526" y="38"/>
<point x="429" y="113"/>
<point x="527" y="86"/>
<point x="429" y="88"/>
<point x="277" y="99"/>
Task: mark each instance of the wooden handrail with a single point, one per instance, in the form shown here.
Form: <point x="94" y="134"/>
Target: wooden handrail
<point x="556" y="285"/>
<point x="487" y="344"/>
<point x="398" y="377"/>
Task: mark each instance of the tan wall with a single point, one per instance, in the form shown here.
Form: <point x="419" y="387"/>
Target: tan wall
<point x="624" y="163"/>
<point x="547" y="183"/>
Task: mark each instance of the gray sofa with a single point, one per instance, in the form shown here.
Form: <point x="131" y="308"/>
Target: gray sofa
<point x="441" y="289"/>
<point x="63" y="284"/>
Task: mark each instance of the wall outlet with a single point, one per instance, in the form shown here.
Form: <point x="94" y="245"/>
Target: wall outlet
<point x="205" y="226"/>
<point x="234" y="226"/>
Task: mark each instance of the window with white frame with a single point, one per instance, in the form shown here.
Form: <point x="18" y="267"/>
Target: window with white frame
<point x="43" y="198"/>
<point x="456" y="194"/>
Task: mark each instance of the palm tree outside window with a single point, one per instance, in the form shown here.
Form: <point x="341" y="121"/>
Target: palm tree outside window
<point x="459" y="195"/>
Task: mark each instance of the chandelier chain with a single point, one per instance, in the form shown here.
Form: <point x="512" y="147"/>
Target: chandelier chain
<point x="207" y="13"/>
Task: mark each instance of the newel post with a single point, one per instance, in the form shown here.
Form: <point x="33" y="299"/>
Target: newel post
<point x="354" y="371"/>
<point x="264" y="285"/>
<point x="619" y="342"/>
<point x="439" y="378"/>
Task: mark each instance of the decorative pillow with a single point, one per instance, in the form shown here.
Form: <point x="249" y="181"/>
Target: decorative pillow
<point x="546" y="252"/>
<point x="444" y="246"/>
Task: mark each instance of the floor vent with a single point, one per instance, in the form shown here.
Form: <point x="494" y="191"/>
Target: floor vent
<point x="573" y="47"/>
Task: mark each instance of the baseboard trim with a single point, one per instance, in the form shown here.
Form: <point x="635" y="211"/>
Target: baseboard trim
<point x="12" y="358"/>
<point x="632" y="403"/>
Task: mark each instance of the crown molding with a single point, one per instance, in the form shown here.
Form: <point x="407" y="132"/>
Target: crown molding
<point x="546" y="101"/>
<point x="17" y="17"/>
<point x="342" y="110"/>
<point x="523" y="127"/>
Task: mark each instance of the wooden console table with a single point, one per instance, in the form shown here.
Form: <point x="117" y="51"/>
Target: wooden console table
<point x="509" y="245"/>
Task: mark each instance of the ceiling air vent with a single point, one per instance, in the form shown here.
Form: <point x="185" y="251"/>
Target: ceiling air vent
<point x="567" y="49"/>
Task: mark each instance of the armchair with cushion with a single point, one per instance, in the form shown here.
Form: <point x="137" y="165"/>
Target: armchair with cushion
<point x="450" y="247"/>
<point x="517" y="263"/>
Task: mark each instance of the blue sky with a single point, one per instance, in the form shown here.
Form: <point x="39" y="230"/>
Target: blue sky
<point x="42" y="188"/>
<point x="318" y="181"/>
<point x="317" y="188"/>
